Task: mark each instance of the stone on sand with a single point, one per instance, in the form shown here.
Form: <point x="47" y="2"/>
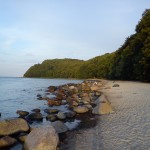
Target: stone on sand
<point x="44" y="138"/>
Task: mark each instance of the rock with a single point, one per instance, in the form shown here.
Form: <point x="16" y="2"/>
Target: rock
<point x="51" y="111"/>
<point x="70" y="100"/>
<point x="40" y="98"/>
<point x="39" y="95"/>
<point x="51" y="117"/>
<point x="70" y="114"/>
<point x="103" y="106"/>
<point x="61" y="115"/>
<point x="74" y="103"/>
<point x="81" y="109"/>
<point x="59" y="126"/>
<point x="44" y="138"/>
<point x="22" y="113"/>
<point x="52" y="89"/>
<point x="116" y="85"/>
<point x="85" y="102"/>
<point x="53" y="103"/>
<point x="7" y="141"/>
<point x="37" y="110"/>
<point x="35" y="117"/>
<point x="94" y="88"/>
<point x="75" y="97"/>
<point x="97" y="93"/>
<point x="85" y="87"/>
<point x="71" y="87"/>
<point x="22" y="138"/>
<point x="60" y="96"/>
<point x="86" y="99"/>
<point x="12" y="126"/>
<point x="63" y="102"/>
<point x="88" y="106"/>
<point x="84" y="94"/>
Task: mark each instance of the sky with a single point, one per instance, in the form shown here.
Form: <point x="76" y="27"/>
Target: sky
<point x="34" y="30"/>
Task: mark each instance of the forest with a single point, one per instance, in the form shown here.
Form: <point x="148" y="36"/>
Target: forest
<point x="130" y="62"/>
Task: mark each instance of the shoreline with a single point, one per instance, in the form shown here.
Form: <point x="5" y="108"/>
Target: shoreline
<point x="87" y="119"/>
<point x="95" y="131"/>
<point x="126" y="128"/>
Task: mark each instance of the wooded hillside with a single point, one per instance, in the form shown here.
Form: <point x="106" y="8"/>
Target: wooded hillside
<point x="130" y="62"/>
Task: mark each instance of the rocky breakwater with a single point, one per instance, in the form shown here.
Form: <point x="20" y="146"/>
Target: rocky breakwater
<point x="81" y="102"/>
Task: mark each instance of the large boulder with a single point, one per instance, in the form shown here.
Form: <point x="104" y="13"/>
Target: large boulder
<point x="81" y="109"/>
<point x="103" y="106"/>
<point x="59" y="126"/>
<point x="35" y="117"/>
<point x="7" y="141"/>
<point x="44" y="138"/>
<point x="12" y="126"/>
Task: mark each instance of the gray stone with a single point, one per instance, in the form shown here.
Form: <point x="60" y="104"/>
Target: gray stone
<point x="60" y="127"/>
<point x="61" y="115"/>
<point x="35" y="117"/>
<point x="51" y="117"/>
<point x="70" y="114"/>
<point x="44" y="138"/>
<point x="12" y="126"/>
<point x="116" y="85"/>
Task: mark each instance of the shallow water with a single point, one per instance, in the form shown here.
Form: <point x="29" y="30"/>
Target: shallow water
<point x="21" y="94"/>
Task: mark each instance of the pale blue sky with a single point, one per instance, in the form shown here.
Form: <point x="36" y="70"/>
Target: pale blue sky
<point x="34" y="30"/>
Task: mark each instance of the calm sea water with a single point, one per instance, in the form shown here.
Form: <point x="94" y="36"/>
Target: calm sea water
<point x="21" y="94"/>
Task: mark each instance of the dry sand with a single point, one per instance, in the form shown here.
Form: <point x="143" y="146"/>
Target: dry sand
<point x="128" y="128"/>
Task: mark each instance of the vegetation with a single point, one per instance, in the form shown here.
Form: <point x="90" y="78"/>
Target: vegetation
<point x="130" y="62"/>
<point x="55" y="68"/>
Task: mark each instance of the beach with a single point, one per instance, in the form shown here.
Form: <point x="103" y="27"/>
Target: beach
<point x="127" y="128"/>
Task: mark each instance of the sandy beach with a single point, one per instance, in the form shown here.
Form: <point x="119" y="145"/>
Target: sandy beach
<point x="128" y="128"/>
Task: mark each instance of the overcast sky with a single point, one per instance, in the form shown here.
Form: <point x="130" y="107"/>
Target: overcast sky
<point x="34" y="30"/>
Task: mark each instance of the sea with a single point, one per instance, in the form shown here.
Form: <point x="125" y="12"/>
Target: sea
<point x="21" y="94"/>
<point x="18" y="93"/>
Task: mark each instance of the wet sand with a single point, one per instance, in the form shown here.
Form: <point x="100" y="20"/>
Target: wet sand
<point x="128" y="128"/>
